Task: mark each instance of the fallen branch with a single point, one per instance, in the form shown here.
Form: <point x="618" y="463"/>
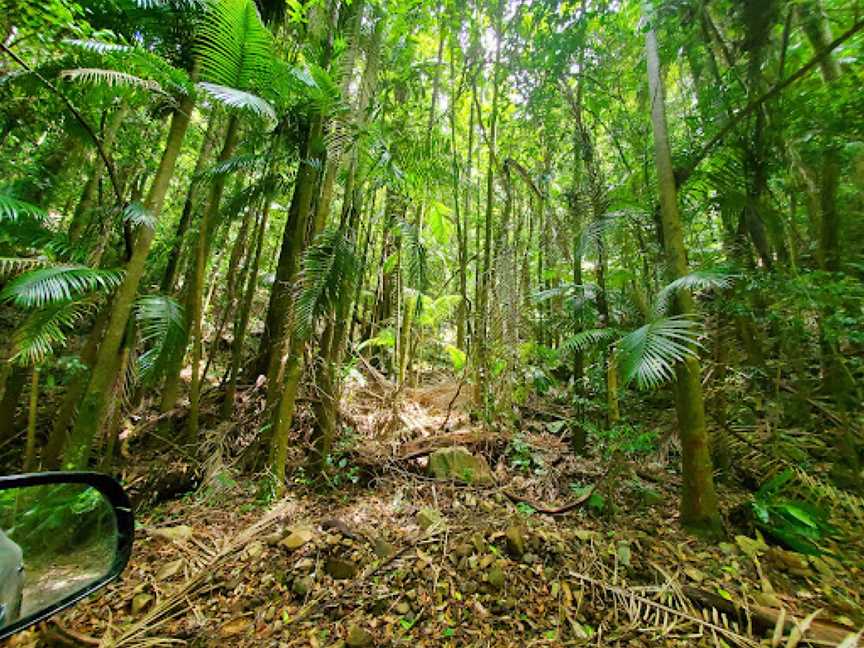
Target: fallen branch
<point x="766" y="618"/>
<point x="560" y="510"/>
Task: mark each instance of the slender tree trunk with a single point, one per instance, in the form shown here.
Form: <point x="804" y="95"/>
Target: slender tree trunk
<point x="195" y="310"/>
<point x="169" y="277"/>
<point x="482" y="351"/>
<point x="241" y="322"/>
<point x="88" y="195"/>
<point x="30" y="451"/>
<point x="93" y="407"/>
<point x="15" y="383"/>
<point x="699" y="510"/>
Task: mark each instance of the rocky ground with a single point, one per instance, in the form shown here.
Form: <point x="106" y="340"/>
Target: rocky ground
<point x="404" y="557"/>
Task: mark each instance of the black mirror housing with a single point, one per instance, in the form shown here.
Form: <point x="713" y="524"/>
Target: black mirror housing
<point x="114" y="497"/>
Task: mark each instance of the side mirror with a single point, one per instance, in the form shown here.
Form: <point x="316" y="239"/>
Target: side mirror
<point x="63" y="536"/>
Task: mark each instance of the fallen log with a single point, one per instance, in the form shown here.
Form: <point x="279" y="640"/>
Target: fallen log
<point x="765" y="619"/>
<point x="426" y="446"/>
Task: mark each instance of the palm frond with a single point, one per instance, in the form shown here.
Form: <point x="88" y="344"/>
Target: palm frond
<point x="699" y="280"/>
<point x="95" y="45"/>
<point x="17" y="265"/>
<point x="675" y="612"/>
<point x="437" y="310"/>
<point x="414" y="255"/>
<point x="136" y="215"/>
<point x="12" y="209"/>
<point x="110" y="78"/>
<point x="649" y="354"/>
<point x="158" y="4"/>
<point x="234" y="48"/>
<point x="58" y="284"/>
<point x="329" y="266"/>
<point x="244" y="162"/>
<point x="240" y="100"/>
<point x="45" y="329"/>
<point x="594" y="231"/>
<point x="584" y="340"/>
<point x="161" y="323"/>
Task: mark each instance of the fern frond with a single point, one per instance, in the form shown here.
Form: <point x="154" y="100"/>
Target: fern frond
<point x="161" y="323"/>
<point x="437" y="310"/>
<point x="586" y="339"/>
<point x="45" y="329"/>
<point x="330" y="266"/>
<point x="110" y="78"/>
<point x="244" y="162"/>
<point x="136" y="215"/>
<point x="414" y="255"/>
<point x="698" y="280"/>
<point x="17" y="265"/>
<point x="58" y="284"/>
<point x="12" y="209"/>
<point x="97" y="46"/>
<point x="234" y="48"/>
<point x="240" y="100"/>
<point x="649" y="354"/>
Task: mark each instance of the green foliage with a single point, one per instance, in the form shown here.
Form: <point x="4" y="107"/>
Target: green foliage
<point x="330" y="267"/>
<point x="649" y="354"/>
<point x="524" y="457"/>
<point x="58" y="284"/>
<point x="795" y="523"/>
<point x="12" y="208"/>
<point x="45" y="330"/>
<point x="457" y="356"/>
<point x="162" y="326"/>
<point x="695" y="281"/>
<point x="632" y="440"/>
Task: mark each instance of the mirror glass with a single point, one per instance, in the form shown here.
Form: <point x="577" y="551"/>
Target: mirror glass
<point x="55" y="541"/>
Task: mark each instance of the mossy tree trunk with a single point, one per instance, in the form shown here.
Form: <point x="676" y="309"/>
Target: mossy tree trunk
<point x="94" y="404"/>
<point x="699" y="511"/>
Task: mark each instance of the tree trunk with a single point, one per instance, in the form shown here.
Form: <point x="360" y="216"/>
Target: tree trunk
<point x="169" y="277"/>
<point x="241" y="322"/>
<point x="30" y="450"/>
<point x="15" y="383"/>
<point x="699" y="511"/>
<point x="93" y="407"/>
<point x="195" y="309"/>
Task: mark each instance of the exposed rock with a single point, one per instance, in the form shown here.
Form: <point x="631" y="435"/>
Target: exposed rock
<point x="297" y="537"/>
<point x="383" y="549"/>
<point x="495" y="576"/>
<point x="340" y="569"/>
<point x="427" y="517"/>
<point x="141" y="602"/>
<point x="176" y="533"/>
<point x="307" y="564"/>
<point x="516" y="541"/>
<point x="169" y="569"/>
<point x="358" y="637"/>
<point x="302" y="586"/>
<point x="651" y="497"/>
<point x="459" y="464"/>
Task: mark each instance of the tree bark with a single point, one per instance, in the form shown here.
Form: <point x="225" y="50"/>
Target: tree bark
<point x="94" y="404"/>
<point x="699" y="511"/>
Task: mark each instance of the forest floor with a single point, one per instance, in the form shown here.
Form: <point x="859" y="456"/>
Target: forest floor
<point x="399" y="558"/>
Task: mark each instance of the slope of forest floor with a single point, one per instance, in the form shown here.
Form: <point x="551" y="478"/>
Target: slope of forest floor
<point x="390" y="556"/>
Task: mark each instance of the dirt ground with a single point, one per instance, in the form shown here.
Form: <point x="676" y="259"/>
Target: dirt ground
<point x="399" y="558"/>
